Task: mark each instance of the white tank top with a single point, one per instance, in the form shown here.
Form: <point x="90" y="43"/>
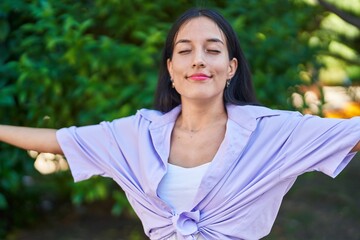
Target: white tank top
<point x="180" y="185"/>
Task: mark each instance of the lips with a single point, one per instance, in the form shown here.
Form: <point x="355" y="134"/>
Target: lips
<point x="199" y="77"/>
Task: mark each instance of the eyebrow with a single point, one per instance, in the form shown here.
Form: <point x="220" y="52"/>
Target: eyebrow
<point x="215" y="40"/>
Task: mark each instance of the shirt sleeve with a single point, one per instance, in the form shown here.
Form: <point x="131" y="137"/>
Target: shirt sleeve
<point x="87" y="149"/>
<point x="106" y="149"/>
<point x="320" y="144"/>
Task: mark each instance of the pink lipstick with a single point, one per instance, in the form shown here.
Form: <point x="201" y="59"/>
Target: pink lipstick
<point x="199" y="77"/>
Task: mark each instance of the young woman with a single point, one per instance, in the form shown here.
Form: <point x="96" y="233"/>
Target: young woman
<point x="208" y="163"/>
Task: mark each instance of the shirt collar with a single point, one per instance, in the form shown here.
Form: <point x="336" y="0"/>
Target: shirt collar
<point x="244" y="115"/>
<point x="247" y="115"/>
<point x="159" y="119"/>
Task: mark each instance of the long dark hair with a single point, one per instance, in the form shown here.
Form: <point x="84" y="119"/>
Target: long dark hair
<point x="239" y="92"/>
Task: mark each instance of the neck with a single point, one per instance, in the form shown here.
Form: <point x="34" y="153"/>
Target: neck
<point x="194" y="117"/>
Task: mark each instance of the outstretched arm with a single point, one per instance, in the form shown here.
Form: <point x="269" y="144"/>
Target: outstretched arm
<point x="37" y="139"/>
<point x="356" y="148"/>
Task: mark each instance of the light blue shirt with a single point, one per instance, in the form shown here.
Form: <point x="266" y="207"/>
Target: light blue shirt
<point x="239" y="196"/>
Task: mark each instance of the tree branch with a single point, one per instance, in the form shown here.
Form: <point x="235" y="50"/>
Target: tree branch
<point x="346" y="16"/>
<point x="340" y="57"/>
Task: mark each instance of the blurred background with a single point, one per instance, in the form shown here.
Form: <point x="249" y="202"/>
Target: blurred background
<point x="66" y="63"/>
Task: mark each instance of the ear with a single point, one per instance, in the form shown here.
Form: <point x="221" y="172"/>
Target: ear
<point x="233" y="65"/>
<point x="170" y="67"/>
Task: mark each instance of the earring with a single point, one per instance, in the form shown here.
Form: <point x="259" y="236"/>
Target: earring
<point x="172" y="83"/>
<point x="228" y="82"/>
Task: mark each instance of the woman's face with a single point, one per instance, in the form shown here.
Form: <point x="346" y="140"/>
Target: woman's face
<point x="200" y="63"/>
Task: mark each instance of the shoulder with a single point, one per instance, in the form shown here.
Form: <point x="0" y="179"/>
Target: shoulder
<point x="149" y="118"/>
<point x="258" y="111"/>
<point x="149" y="114"/>
<point x="142" y="115"/>
<point x="254" y="113"/>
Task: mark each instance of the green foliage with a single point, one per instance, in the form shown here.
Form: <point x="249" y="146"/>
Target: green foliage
<point x="275" y="42"/>
<point x="66" y="63"/>
<point x="121" y="203"/>
<point x="338" y="36"/>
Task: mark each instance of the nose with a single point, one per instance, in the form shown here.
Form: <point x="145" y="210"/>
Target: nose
<point x="198" y="60"/>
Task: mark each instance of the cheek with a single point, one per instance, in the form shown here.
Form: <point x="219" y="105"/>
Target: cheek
<point x="221" y="68"/>
<point x="178" y="67"/>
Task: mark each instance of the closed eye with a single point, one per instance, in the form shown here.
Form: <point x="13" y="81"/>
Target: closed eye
<point x="184" y="51"/>
<point x="214" y="51"/>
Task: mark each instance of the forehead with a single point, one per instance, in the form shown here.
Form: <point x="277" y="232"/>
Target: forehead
<point x="200" y="28"/>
